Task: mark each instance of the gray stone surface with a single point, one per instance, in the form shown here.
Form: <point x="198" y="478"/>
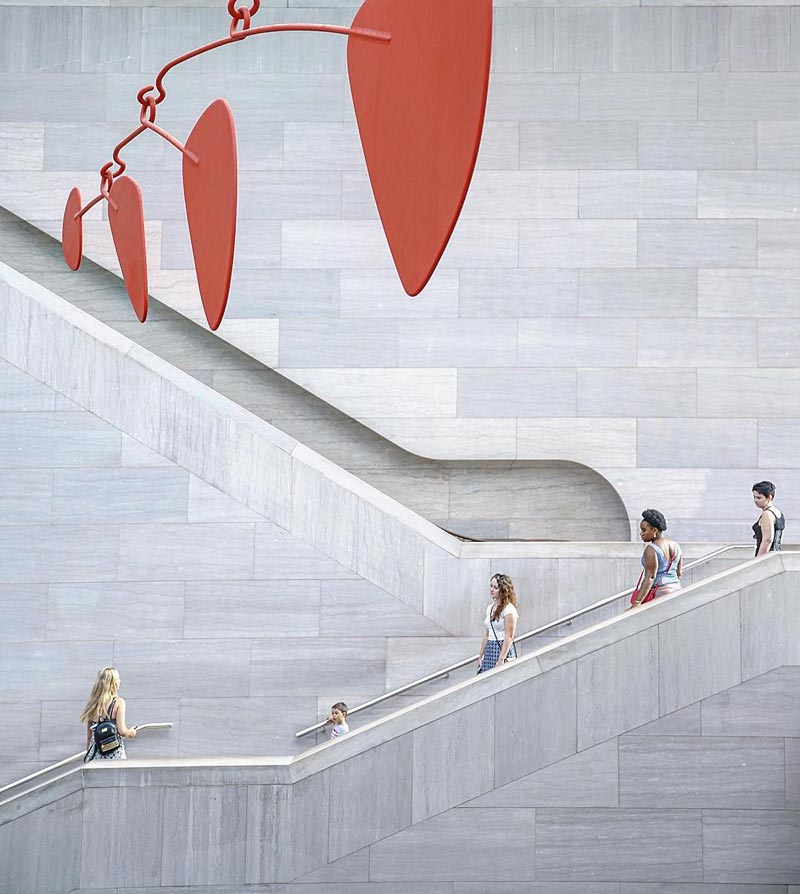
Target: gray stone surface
<point x="766" y="705"/>
<point x="751" y="846"/>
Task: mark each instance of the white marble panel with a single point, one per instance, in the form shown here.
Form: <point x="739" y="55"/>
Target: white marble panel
<point x="23" y="608"/>
<point x="792" y="752"/>
<point x="517" y="293"/>
<point x="340" y="343"/>
<point x="460" y="845"/>
<point x="288" y="195"/>
<point x="14" y="315"/>
<point x="462" y="343"/>
<point x="632" y="293"/>
<point x="583" y="145"/>
<point x="315" y="146"/>
<point x="111" y="40"/>
<point x="282" y="556"/>
<point x="734" y="392"/>
<point x="697" y="243"/>
<point x="59" y="97"/>
<point x="568" y="342"/>
<point x="701" y="39"/>
<point x="582" y="243"/>
<point x="745" y="293"/>
<point x="37" y="553"/>
<point x="778" y="343"/>
<point x="379" y="294"/>
<point x="455" y="591"/>
<point x="207" y="504"/>
<point x="630" y="392"/>
<point x="759" y="194"/>
<point x="291" y="97"/>
<point x="22" y="146"/>
<point x="355" y="244"/>
<point x="776" y="443"/>
<point x="483" y="243"/>
<point x="522" y="194"/>
<point x="343" y="605"/>
<point x="627" y="97"/>
<point x="778" y="144"/>
<point x="449" y="438"/>
<point x="409" y="658"/>
<point x="637" y="194"/>
<point x="769" y="625"/>
<point x="522" y="39"/>
<point x="698" y="343"/>
<point x="685" y="722"/>
<point x="593" y="442"/>
<point x="379" y="393"/>
<point x="766" y="705"/>
<point x="532" y="97"/>
<point x="760" y="39"/>
<point x="642" y="40"/>
<point x="626" y="672"/>
<point x="352" y="782"/>
<point x="268" y="293"/>
<point x="582" y="39"/>
<point x="26" y="496"/>
<point x="52" y="41"/>
<point x="724" y="145"/>
<point x="757" y="846"/>
<point x="748" y="97"/>
<point x="35" y="671"/>
<point x="688" y="443"/>
<point x="778" y="243"/>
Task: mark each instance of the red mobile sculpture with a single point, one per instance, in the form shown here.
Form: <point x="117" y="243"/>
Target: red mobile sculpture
<point x="419" y="74"/>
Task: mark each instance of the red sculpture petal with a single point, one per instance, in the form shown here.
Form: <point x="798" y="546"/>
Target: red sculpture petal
<point x="420" y="101"/>
<point x="127" y="228"/>
<point x="210" y="190"/>
<point x="72" y="230"/>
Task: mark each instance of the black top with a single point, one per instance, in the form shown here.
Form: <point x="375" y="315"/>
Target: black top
<point x="780" y="524"/>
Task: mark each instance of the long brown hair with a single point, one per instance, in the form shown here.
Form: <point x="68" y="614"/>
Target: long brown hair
<point x="507" y="595"/>
<point x="106" y="686"/>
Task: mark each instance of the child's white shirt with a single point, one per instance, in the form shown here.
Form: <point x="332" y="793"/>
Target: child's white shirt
<point x="339" y="729"/>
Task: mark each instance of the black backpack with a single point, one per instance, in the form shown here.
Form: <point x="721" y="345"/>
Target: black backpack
<point x="106" y="738"/>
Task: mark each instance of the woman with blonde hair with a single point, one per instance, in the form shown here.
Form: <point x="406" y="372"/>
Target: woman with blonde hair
<point x="105" y="703"/>
<point x="500" y="624"/>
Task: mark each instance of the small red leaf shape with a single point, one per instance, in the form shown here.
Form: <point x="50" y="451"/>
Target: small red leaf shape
<point x="126" y="217"/>
<point x="420" y="100"/>
<point x="210" y="189"/>
<point x="72" y="230"/>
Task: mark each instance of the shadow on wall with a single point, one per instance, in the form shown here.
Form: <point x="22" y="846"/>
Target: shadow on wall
<point x="512" y="500"/>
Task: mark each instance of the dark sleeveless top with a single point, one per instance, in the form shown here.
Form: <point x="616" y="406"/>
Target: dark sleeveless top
<point x="780" y="524"/>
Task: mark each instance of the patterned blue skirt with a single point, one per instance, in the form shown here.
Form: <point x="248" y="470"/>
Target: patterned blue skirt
<point x="492" y="652"/>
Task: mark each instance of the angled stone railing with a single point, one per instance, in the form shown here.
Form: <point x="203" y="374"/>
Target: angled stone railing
<point x="270" y="820"/>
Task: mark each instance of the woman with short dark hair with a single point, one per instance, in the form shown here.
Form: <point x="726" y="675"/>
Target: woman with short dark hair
<point x="662" y="560"/>
<point x="768" y="530"/>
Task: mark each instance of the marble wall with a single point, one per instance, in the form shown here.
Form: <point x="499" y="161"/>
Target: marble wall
<point x="618" y="292"/>
<point x="658" y="752"/>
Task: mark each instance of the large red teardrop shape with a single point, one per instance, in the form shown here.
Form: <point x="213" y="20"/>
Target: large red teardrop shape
<point x="210" y="189"/>
<point x="420" y="100"/>
<point x="72" y="230"/>
<point x="126" y="217"/>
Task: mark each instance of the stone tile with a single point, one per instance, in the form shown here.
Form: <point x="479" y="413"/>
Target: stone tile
<point x="637" y="194"/>
<point x="350" y="870"/>
<point x="258" y="247"/>
<point x="101" y="611"/>
<point x="355" y="244"/>
<point x="777" y="243"/>
<point x="533" y="739"/>
<point x="186" y="552"/>
<point x="251" y="609"/>
<point x="378" y="294"/>
<point x="701" y="39"/>
<point x="766" y="705"/>
<point x="111" y="40"/>
<point x="25" y="496"/>
<point x="582" y="845"/>
<point x="126" y="495"/>
<point x="207" y="504"/>
<point x="463" y="343"/>
<point x="522" y="194"/>
<point x="37" y="553"/>
<point x="583" y="39"/>
<point x="582" y="243"/>
<point x="60" y="97"/>
<point x="642" y="39"/>
<point x="204" y="838"/>
<point x="267" y="293"/>
<point x="196" y="669"/>
<point x="499" y="149"/>
<point x="698" y="343"/>
<point x="532" y="97"/>
<point x="409" y="658"/>
<point x="792" y="757"/>
<point x="699" y="654"/>
<point x="760" y="39"/>
<point x="684" y="722"/>
<point x="760" y="194"/>
<point x="776" y="440"/>
<point x="734" y="392"/>
<point x="593" y="442"/>
<point x="292" y="97"/>
<point x="631" y="97"/>
<point x="337" y="343"/>
<point x="453" y="760"/>
<point x="701" y="772"/>
<point x="352" y="782"/>
<point x="517" y="293"/>
<point x="288" y="195"/>
<point x="343" y="605"/>
<point x="706" y="144"/>
<point x="116" y="825"/>
<point x="280" y="556"/>
<point x="567" y="342"/>
<point x="483" y="243"/>
<point x="627" y="671"/>
<point x="580" y="144"/>
<point x="748" y="97"/>
<point x="53" y="41"/>
<point x="523" y="39"/>
<point x="629" y="392"/>
<point x="691" y="443"/>
<point x="459" y="845"/>
<point x="751" y="846"/>
<point x="48" y="440"/>
<point x="304" y="665"/>
<point x="22" y="393"/>
<point x="23" y="608"/>
<point x="745" y="293"/>
<point x="15" y="734"/>
<point x="778" y="145"/>
<point x="21" y="146"/>
<point x="241" y="727"/>
<point x="586" y="779"/>
<point x="56" y="863"/>
<point x="314" y="145"/>
<point x="451" y="437"/>
<point x="631" y="293"/>
<point x="778" y="346"/>
<point x="697" y="243"/>
<point x="38" y="670"/>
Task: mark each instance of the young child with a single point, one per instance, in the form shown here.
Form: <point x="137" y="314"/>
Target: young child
<point x="337" y="718"/>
